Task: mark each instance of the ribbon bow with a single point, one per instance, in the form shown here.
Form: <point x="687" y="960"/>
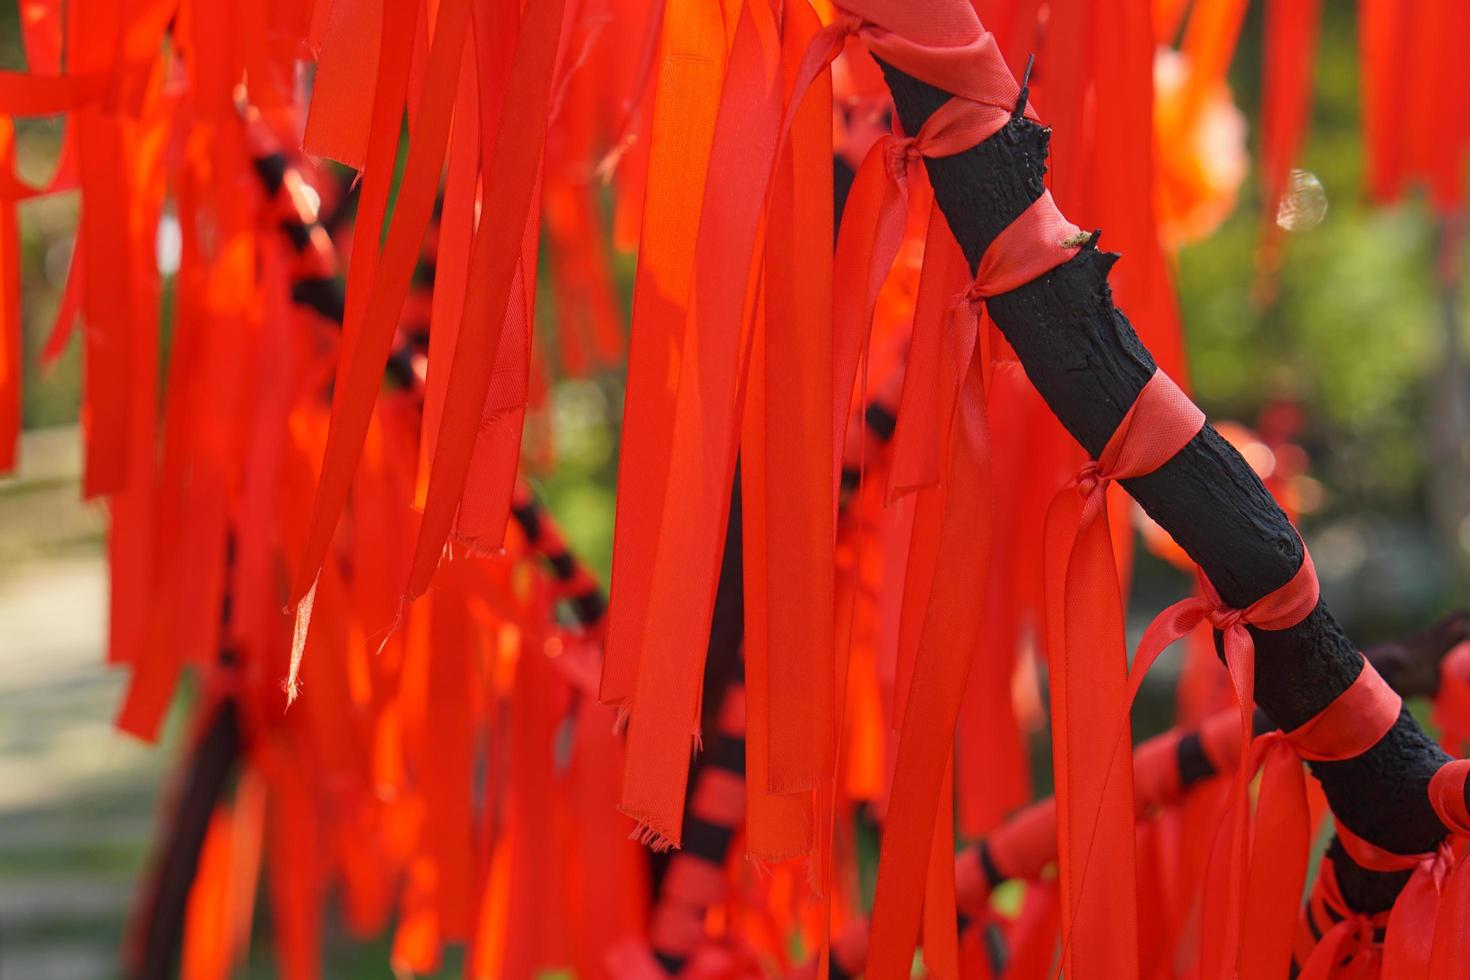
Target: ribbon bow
<point x="1428" y="932"/>
<point x="1350" y="725"/>
<point x="873" y="224"/>
<point x="1279" y="610"/>
<point x="1346" y="950"/>
<point x="1087" y="661"/>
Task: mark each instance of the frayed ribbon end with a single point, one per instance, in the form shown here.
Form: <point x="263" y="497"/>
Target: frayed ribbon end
<point x="292" y="686"/>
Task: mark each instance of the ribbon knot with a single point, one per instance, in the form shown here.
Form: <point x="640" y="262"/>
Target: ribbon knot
<point x="1224" y="618"/>
<point x="1426" y="935"/>
<point x="1090" y="479"/>
<point x="1347" y="948"/>
<point x="898" y="154"/>
<point x="846" y="24"/>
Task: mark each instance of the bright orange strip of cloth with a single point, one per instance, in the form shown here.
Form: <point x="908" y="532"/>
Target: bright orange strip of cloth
<point x="799" y="694"/>
<point x="1428" y="932"/>
<point x="926" y="741"/>
<point x="356" y="387"/>
<point x="366" y="348"/>
<point x="10" y="363"/>
<point x="1279" y="610"/>
<point x="702" y="449"/>
<point x="510" y="179"/>
<point x="1088" y="670"/>
<point x="690" y="72"/>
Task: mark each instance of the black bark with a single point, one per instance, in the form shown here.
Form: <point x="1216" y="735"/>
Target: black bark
<point x="1084" y="358"/>
<point x="208" y="775"/>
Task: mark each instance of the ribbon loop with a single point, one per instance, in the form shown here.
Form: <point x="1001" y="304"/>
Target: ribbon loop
<point x="1447" y="796"/>
<point x="1088" y="664"/>
<point x="1353" y="723"/>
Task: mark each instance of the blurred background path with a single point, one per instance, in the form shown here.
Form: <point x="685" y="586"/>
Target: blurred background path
<point x="76" y="797"/>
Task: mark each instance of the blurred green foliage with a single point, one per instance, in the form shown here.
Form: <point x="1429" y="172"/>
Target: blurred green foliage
<point x="1355" y="328"/>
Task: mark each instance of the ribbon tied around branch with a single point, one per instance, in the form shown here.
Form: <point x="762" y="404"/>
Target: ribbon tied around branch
<point x="1428" y="932"/>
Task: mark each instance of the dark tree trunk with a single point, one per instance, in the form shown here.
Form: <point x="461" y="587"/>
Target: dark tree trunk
<point x="1083" y="356"/>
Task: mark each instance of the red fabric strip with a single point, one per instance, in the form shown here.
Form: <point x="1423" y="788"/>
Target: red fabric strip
<point x="10" y="322"/>
<point x="926" y="740"/>
<point x="1089" y="671"/>
<point x="340" y="117"/>
<point x="1281" y="609"/>
<point x="688" y="92"/>
<point x="1039" y="240"/>
<point x="1354" y="721"/>
<point x="356" y="386"/>
<point x="800" y="506"/>
<point x="702" y="438"/>
<point x="509" y="181"/>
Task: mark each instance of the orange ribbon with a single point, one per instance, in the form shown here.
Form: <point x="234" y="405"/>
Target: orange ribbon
<point x="1281" y="609"/>
<point x="1428" y="932"/>
<point x="1088" y="671"/>
<point x="1281" y="837"/>
<point x="1346" y="950"/>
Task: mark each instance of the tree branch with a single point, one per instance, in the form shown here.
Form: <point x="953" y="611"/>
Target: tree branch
<point x="1085" y="360"/>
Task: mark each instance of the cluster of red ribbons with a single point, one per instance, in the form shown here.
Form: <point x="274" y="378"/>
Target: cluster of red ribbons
<point x="447" y="768"/>
<point x="1428" y="929"/>
<point x="1089" y="672"/>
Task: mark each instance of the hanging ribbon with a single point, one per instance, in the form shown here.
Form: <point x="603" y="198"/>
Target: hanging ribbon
<point x="1428" y="932"/>
<point x="1281" y="836"/>
<point x="1036" y="242"/>
<point x="1279" y="610"/>
<point x="1088" y="671"/>
<point x="702" y="444"/>
<point x="692" y="54"/>
<point x="1346" y="950"/>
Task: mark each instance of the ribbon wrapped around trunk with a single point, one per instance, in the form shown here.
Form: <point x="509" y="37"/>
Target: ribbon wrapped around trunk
<point x="1428" y="933"/>
<point x="1087" y="665"/>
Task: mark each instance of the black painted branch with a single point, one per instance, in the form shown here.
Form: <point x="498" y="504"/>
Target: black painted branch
<point x="167" y="901"/>
<point x="1084" y="358"/>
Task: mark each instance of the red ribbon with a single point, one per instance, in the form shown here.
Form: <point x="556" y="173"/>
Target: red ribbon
<point x="1281" y="836"/>
<point x="1279" y="610"/>
<point x="1089" y="672"/>
<point x="1452" y="701"/>
<point x="1346" y="950"/>
<point x="1429" y="927"/>
<point x="1039" y="240"/>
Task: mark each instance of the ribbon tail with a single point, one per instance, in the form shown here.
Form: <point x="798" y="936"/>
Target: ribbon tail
<point x="1450" y="956"/>
<point x="1278" y="867"/>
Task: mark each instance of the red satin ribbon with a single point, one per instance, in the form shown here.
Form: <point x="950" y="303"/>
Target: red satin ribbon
<point x="1346" y="950"/>
<point x="1281" y="833"/>
<point x="1429" y="926"/>
<point x="1029" y="247"/>
<point x="1089" y="671"/>
<point x="1452" y="702"/>
<point x="1352" y="724"/>
<point x="1279" y="610"/>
